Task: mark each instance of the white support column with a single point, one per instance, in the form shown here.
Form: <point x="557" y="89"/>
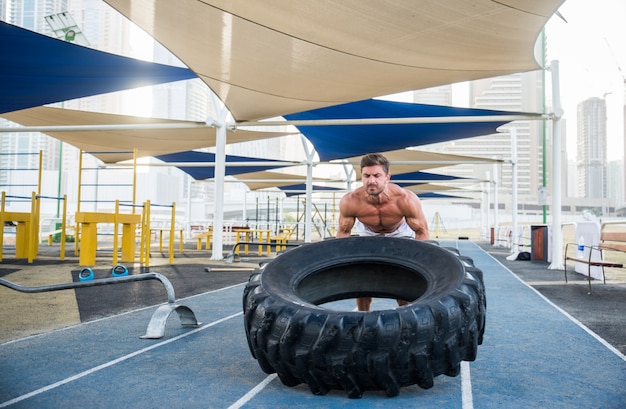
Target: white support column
<point x="515" y="236"/>
<point x="188" y="207"/>
<point x="557" y="234"/>
<point x="217" y="248"/>
<point x="308" y="208"/>
<point x="483" y="229"/>
<point x="308" y="205"/>
<point x="349" y="170"/>
<point x="487" y="177"/>
<point x="495" y="204"/>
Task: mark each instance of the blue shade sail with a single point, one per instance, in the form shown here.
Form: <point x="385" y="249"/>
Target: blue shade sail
<point x="345" y="141"/>
<point x="208" y="172"/>
<point x="38" y="70"/>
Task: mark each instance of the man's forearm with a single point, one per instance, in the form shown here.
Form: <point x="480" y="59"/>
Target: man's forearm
<point x="342" y="233"/>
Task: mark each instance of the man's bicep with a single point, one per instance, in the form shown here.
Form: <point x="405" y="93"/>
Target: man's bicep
<point x="417" y="220"/>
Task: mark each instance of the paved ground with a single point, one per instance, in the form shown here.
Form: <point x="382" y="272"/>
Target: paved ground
<point x="602" y="310"/>
<point x="534" y="354"/>
<point x="27" y="314"/>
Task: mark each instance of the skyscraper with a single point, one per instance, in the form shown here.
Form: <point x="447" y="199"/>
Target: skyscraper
<point x="591" y="157"/>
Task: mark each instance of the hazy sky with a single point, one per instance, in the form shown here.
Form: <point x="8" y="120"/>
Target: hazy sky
<point x="591" y="49"/>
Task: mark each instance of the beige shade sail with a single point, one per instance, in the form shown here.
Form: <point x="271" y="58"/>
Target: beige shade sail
<point x="119" y="144"/>
<point x="430" y="187"/>
<point x="402" y="162"/>
<point x="275" y="57"/>
<point x="411" y="160"/>
<point x="268" y="179"/>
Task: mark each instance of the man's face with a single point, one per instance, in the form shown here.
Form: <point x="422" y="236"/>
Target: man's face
<point x="374" y="179"/>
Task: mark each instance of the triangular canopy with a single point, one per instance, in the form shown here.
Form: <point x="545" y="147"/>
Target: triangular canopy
<point x="119" y="144"/>
<point x="422" y="188"/>
<point x="410" y="160"/>
<point x="412" y="178"/>
<point x="300" y="189"/>
<point x="433" y="195"/>
<point x="208" y="172"/>
<point x="271" y="58"/>
<point x="38" y="70"/>
<point x="344" y="141"/>
<point x="268" y="179"/>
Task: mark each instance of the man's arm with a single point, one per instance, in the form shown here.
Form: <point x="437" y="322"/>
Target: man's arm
<point x="346" y="220"/>
<point x="414" y="216"/>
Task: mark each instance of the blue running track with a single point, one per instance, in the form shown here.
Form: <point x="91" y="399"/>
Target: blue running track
<point x="533" y="356"/>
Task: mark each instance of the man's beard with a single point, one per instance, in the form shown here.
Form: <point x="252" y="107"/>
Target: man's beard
<point x="374" y="190"/>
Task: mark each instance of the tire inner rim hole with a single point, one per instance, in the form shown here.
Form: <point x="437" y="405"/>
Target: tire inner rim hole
<point x="362" y="279"/>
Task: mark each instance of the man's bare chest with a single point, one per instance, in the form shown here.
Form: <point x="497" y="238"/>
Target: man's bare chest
<point x="386" y="215"/>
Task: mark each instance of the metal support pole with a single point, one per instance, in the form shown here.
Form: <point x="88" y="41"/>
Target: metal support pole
<point x="495" y="204"/>
<point x="308" y="204"/>
<point x="220" y="174"/>
<point x="483" y="199"/>
<point x="515" y="236"/>
<point x="557" y="234"/>
<point x="487" y="176"/>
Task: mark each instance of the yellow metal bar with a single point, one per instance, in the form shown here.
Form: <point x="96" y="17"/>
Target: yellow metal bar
<point x="31" y="237"/>
<point x="172" y="234"/>
<point x="63" y="227"/>
<point x="142" y="238"/>
<point x="80" y="181"/>
<point x="88" y="222"/>
<point x="146" y="230"/>
<point x="35" y="238"/>
<point x="116" y="231"/>
<point x="129" y="231"/>
<point x="88" y="243"/>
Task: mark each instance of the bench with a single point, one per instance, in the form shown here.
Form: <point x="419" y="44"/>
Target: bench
<point x="69" y="232"/>
<point x="280" y="240"/>
<point x="612" y="243"/>
<point x="162" y="230"/>
<point x="207" y="235"/>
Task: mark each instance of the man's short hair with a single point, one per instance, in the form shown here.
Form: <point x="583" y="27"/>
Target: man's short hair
<point x="374" y="159"/>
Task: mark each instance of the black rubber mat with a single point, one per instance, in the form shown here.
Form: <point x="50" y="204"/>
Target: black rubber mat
<point x="187" y="280"/>
<point x="7" y="271"/>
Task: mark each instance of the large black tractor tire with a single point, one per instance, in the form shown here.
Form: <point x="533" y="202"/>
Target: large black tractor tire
<point x="289" y="332"/>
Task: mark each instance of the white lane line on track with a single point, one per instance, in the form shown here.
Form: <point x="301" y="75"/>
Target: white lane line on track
<point x="466" y="386"/>
<point x="248" y="396"/>
<point x="113" y="362"/>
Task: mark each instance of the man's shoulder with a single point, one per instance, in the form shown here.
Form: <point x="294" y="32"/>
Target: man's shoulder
<point x="351" y="200"/>
<point x="397" y="190"/>
<point x="354" y="195"/>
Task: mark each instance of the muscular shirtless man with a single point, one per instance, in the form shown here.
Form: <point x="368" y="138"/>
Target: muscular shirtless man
<point x="380" y="208"/>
